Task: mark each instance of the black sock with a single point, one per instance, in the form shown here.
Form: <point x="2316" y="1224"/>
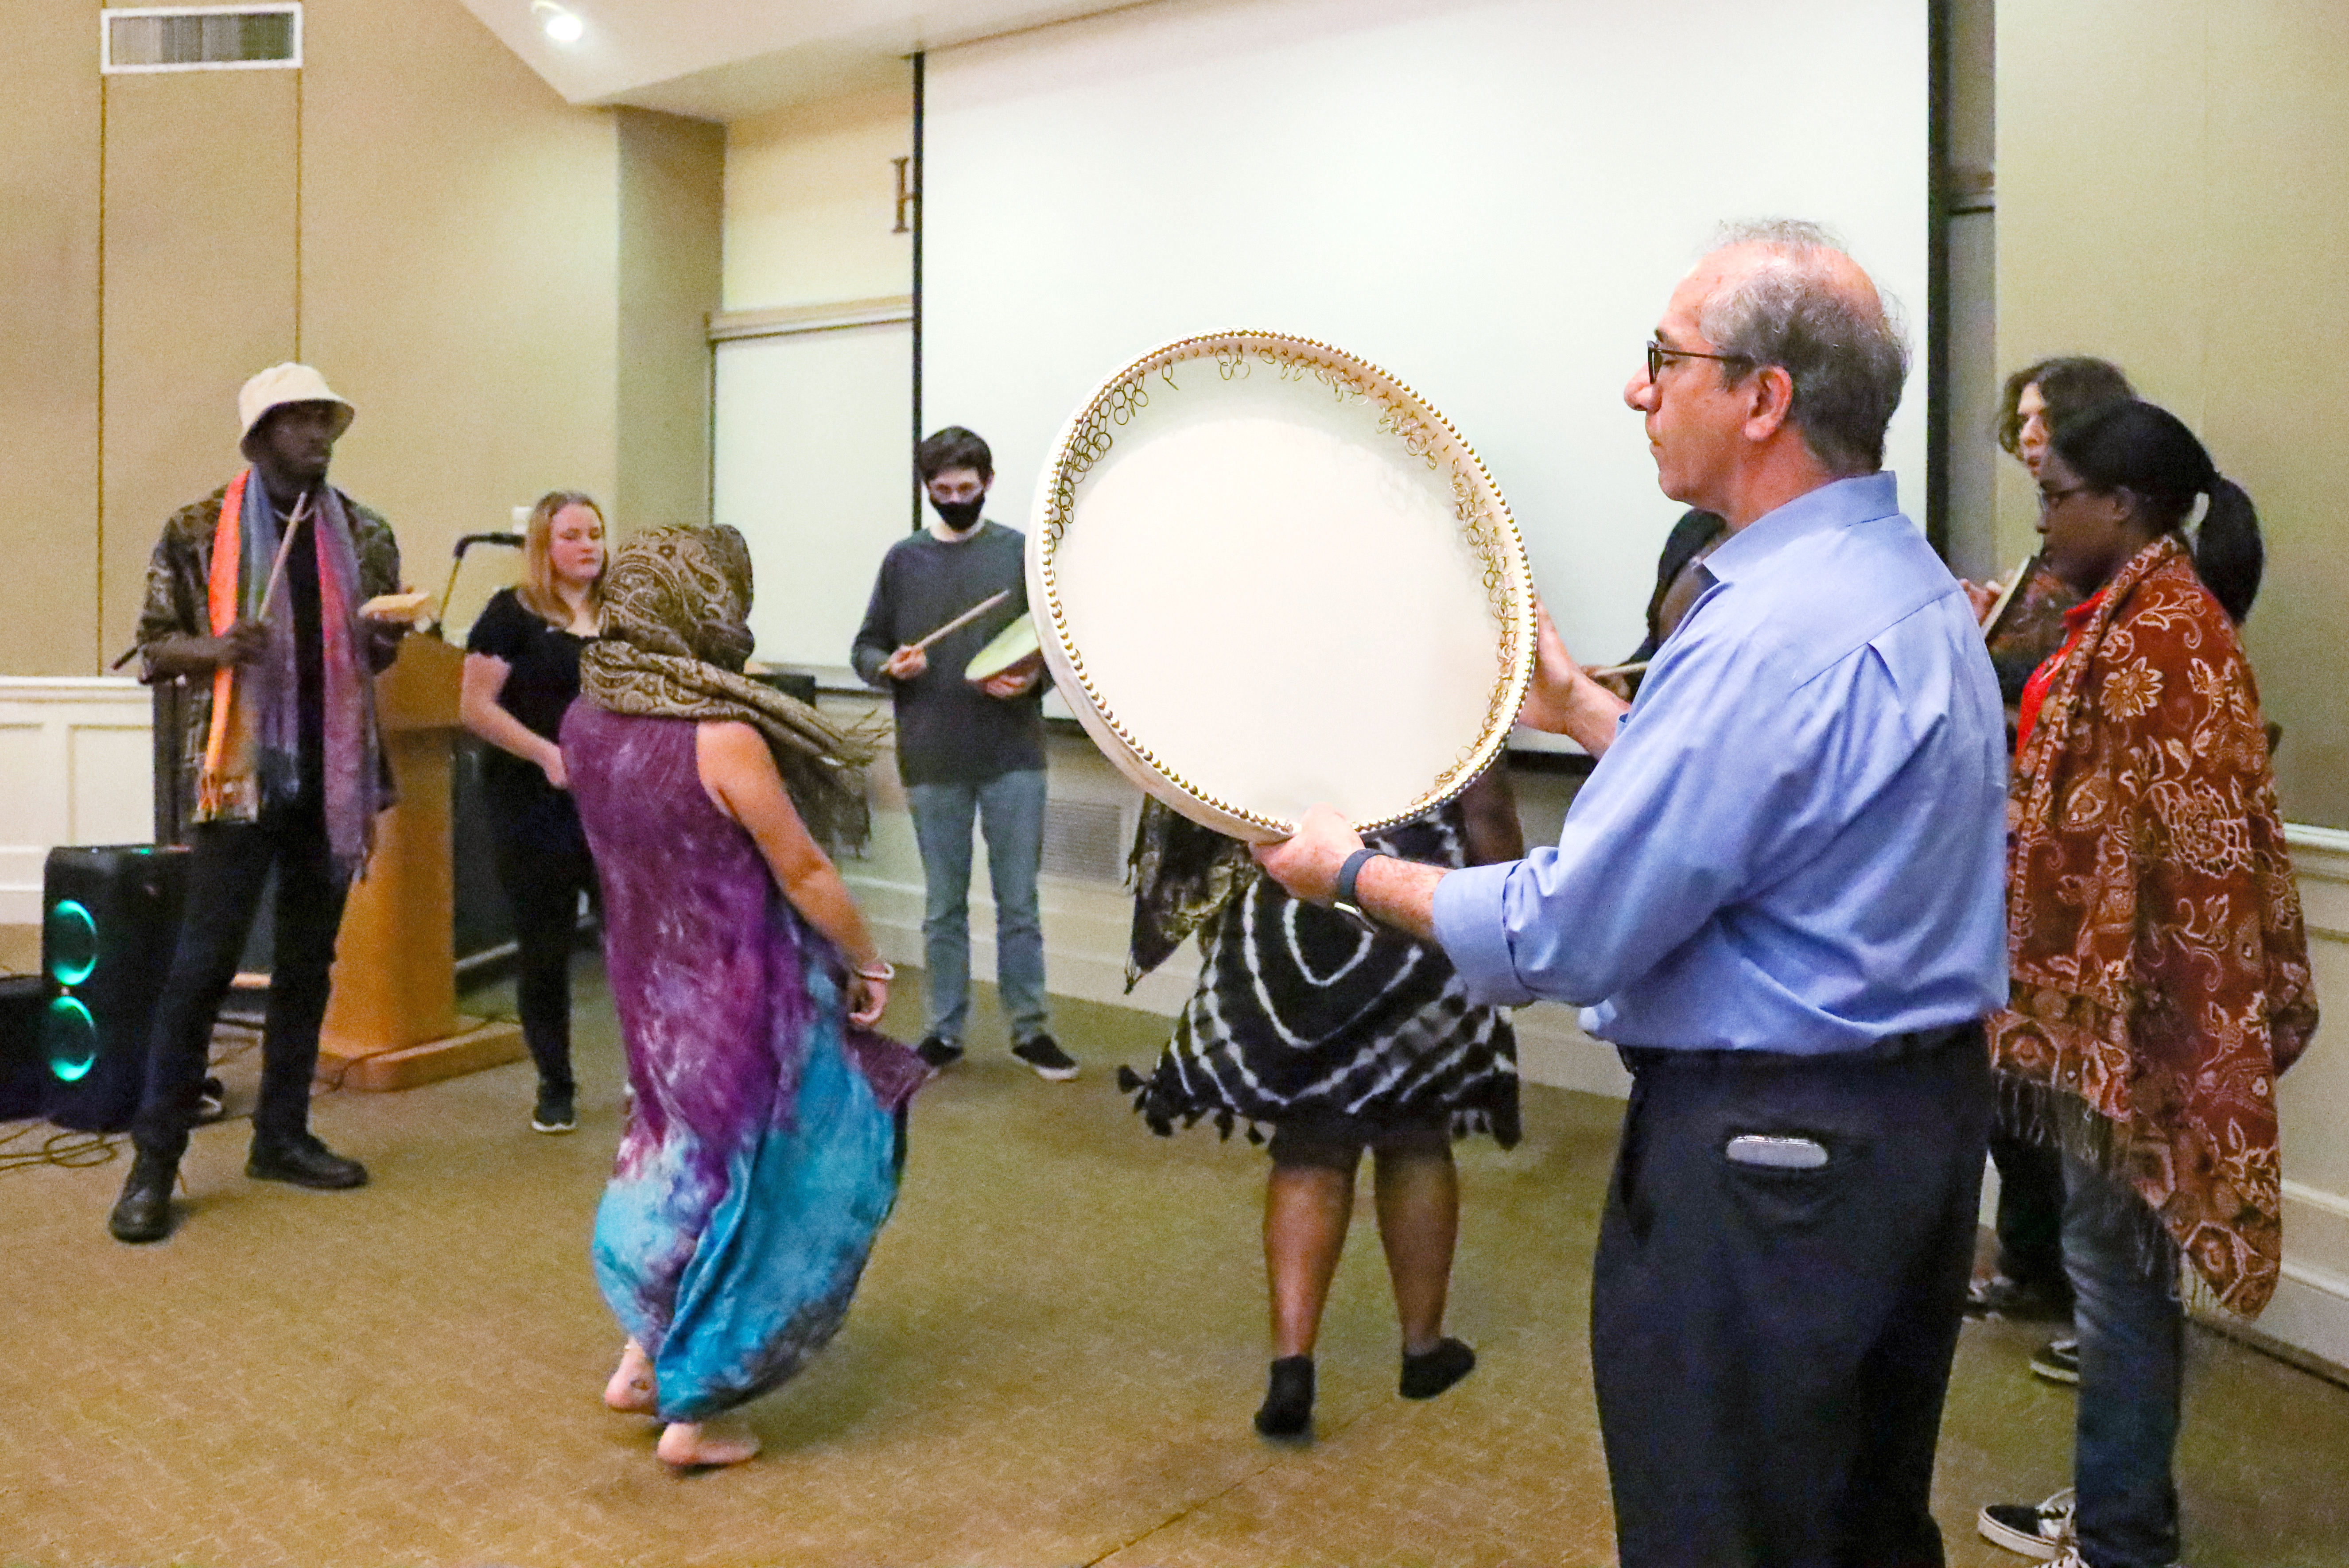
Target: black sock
<point x="1429" y="1373"/>
<point x="1288" y="1410"/>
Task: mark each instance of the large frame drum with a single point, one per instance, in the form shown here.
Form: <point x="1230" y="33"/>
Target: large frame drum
<point x="1267" y="574"/>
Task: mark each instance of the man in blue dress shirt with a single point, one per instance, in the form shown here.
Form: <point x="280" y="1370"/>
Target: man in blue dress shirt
<point x="1780" y="894"/>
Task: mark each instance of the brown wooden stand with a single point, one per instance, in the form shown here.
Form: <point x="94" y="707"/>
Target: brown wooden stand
<point x="392" y="1019"/>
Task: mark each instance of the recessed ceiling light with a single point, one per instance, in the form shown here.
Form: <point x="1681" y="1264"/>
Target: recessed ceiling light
<point x="563" y="26"/>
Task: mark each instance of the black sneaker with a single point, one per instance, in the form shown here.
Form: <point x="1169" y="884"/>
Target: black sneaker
<point x="2018" y="1301"/>
<point x="2040" y="1530"/>
<point x="938" y="1051"/>
<point x="308" y="1164"/>
<point x="554" y="1113"/>
<point x="2059" y="1362"/>
<point x="212" y="1100"/>
<point x="1044" y="1054"/>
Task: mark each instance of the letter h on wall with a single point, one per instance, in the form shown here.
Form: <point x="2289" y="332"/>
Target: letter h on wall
<point x="906" y="196"/>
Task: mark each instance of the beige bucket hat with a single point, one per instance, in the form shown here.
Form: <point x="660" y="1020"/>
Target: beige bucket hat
<point x="283" y="384"/>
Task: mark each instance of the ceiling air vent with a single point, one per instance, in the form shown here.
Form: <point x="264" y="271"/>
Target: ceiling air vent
<point x="199" y="38"/>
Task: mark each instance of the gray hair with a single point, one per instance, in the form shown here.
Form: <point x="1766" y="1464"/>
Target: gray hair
<point x="1845" y="355"/>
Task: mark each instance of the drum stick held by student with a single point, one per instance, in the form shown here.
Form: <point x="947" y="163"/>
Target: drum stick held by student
<point x="964" y="619"/>
<point x="284" y="548"/>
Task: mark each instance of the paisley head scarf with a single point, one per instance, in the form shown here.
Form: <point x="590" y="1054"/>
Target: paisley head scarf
<point x="677" y="603"/>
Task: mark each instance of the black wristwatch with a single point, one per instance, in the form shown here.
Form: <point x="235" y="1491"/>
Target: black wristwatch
<point x="1342" y="896"/>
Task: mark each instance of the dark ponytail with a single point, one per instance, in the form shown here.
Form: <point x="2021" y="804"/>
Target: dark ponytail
<point x="2228" y="554"/>
<point x="2149" y="452"/>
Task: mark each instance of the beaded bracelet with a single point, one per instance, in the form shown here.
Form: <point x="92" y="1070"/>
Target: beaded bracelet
<point x="887" y="971"/>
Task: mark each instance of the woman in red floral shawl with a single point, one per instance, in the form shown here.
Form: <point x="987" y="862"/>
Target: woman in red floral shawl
<point x="2160" y="976"/>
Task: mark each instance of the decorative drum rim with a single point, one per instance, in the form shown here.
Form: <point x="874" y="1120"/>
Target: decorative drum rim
<point x="1478" y="508"/>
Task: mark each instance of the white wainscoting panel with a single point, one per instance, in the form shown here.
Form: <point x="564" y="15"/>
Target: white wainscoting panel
<point x="76" y="767"/>
<point x="2310" y="1311"/>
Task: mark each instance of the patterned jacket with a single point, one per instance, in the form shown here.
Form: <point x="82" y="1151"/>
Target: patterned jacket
<point x="179" y="589"/>
<point x="2160" y="976"/>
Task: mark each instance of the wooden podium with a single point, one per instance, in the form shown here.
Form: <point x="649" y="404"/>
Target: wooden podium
<point x="392" y="1020"/>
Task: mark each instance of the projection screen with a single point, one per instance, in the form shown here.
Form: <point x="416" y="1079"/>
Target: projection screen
<point x="1491" y="200"/>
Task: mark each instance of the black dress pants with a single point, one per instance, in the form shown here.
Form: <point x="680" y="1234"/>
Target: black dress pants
<point x="1770" y="1343"/>
<point x="543" y="873"/>
<point x="226" y="875"/>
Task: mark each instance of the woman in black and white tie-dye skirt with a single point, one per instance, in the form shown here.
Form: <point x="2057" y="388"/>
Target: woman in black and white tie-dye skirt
<point x="1331" y="1038"/>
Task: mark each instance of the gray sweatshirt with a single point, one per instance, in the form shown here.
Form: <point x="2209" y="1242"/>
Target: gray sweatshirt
<point x="948" y="731"/>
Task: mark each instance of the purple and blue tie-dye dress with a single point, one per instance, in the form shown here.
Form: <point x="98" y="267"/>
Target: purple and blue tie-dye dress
<point x="762" y="1156"/>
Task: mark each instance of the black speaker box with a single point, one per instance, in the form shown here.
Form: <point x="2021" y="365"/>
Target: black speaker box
<point x="110" y="917"/>
<point x="22" y="1073"/>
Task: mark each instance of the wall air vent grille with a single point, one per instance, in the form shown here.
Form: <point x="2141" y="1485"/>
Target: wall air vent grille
<point x="1085" y="841"/>
<point x="199" y="38"/>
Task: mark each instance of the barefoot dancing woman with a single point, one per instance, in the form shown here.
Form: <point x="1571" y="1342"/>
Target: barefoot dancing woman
<point x="763" y="1154"/>
<point x="1338" y="1038"/>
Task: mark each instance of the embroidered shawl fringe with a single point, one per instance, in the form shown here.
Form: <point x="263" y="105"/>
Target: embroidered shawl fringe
<point x="2047" y="1118"/>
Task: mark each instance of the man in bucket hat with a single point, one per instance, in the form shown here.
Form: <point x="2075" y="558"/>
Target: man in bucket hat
<point x="257" y="598"/>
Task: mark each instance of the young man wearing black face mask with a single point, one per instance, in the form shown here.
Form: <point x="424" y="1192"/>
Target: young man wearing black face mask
<point x="966" y="750"/>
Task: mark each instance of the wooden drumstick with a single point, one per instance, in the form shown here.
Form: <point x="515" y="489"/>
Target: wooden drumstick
<point x="1603" y="671"/>
<point x="964" y="619"/>
<point x="284" y="548"/>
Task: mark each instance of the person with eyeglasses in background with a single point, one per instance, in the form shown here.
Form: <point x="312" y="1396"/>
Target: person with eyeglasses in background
<point x="2027" y="1280"/>
<point x="2160" y="966"/>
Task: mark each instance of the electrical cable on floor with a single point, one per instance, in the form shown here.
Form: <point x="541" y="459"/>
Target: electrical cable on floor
<point x="71" y="1150"/>
<point x="76" y="1150"/>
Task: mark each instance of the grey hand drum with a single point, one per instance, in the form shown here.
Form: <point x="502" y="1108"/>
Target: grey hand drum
<point x="1267" y="574"/>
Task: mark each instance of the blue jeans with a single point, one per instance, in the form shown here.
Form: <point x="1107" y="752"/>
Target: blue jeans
<point x="1010" y="812"/>
<point x="2124" y="1270"/>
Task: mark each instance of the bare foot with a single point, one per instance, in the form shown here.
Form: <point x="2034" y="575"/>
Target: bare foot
<point x="688" y="1443"/>
<point x="631" y="1390"/>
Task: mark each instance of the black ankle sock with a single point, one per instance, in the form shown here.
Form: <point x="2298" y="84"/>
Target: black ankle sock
<point x="1429" y="1373"/>
<point x="1288" y="1410"/>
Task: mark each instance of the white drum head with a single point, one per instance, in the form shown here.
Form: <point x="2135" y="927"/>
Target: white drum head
<point x="1266" y="573"/>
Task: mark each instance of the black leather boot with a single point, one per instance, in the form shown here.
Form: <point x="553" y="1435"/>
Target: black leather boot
<point x="143" y="1213"/>
<point x="304" y="1163"/>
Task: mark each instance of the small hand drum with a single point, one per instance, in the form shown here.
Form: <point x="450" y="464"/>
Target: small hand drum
<point x="1008" y="651"/>
<point x="1266" y="573"/>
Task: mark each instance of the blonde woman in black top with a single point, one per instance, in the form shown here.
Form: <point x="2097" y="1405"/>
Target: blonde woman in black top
<point x="522" y="671"/>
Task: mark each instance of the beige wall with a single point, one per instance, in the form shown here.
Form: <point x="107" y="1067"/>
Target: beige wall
<point x="671" y="192"/>
<point x="809" y="201"/>
<point x="200" y="209"/>
<point x="2170" y="182"/>
<point x="459" y="265"/>
<point x="490" y="274"/>
<point x="48" y="342"/>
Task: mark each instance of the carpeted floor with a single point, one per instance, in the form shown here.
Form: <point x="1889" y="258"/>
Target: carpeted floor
<point x="1053" y="1361"/>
